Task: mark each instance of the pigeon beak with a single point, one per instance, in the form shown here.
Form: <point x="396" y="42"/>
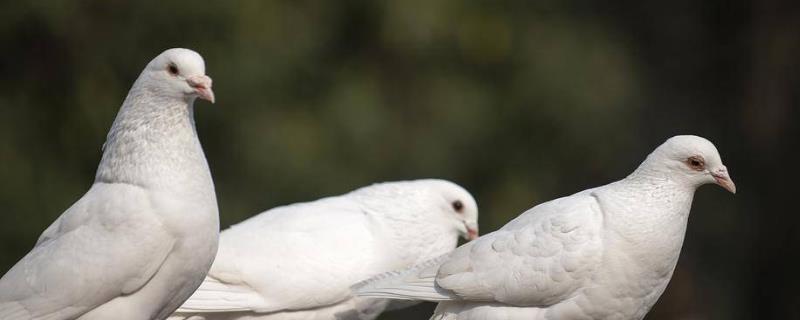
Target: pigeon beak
<point x="202" y="87"/>
<point x="472" y="234"/>
<point x="724" y="180"/>
<point x="472" y="231"/>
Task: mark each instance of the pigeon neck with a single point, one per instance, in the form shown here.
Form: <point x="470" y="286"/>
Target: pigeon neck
<point x="414" y="233"/>
<point x="153" y="144"/>
<point x="414" y="242"/>
<point x="645" y="217"/>
<point x="424" y="239"/>
<point x="660" y="189"/>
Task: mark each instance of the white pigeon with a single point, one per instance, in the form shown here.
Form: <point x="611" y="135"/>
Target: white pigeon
<point x="603" y="253"/>
<point x="141" y="240"/>
<point x="299" y="261"/>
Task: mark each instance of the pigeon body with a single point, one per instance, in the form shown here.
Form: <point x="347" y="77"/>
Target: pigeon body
<point x="603" y="253"/>
<point x="299" y="261"/>
<point x="141" y="240"/>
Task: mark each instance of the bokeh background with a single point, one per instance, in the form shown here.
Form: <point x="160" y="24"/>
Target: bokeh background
<point x="518" y="101"/>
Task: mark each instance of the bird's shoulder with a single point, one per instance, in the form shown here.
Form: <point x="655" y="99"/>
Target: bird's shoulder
<point x="104" y="206"/>
<point x="575" y="208"/>
<point x="329" y="216"/>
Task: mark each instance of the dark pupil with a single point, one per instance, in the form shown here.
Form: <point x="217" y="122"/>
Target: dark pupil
<point x="695" y="163"/>
<point x="458" y="205"/>
<point x="173" y="69"/>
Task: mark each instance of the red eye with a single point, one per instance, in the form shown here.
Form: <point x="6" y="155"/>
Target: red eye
<point x="173" y="69"/>
<point x="696" y="163"/>
<point x="458" y="205"/>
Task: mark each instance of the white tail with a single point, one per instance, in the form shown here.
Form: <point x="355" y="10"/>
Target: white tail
<point x="415" y="283"/>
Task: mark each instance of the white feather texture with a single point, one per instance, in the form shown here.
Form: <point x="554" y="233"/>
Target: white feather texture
<point x="299" y="261"/>
<point x="603" y="253"/>
<point x="140" y="241"/>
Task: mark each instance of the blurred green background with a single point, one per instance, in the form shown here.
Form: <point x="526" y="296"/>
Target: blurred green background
<point x="518" y="101"/>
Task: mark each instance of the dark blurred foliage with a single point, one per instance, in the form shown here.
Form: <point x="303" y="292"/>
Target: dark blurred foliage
<point x="518" y="101"/>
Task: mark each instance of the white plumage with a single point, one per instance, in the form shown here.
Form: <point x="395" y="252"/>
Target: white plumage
<point x="299" y="261"/>
<point x="603" y="253"/>
<point x="140" y="241"/>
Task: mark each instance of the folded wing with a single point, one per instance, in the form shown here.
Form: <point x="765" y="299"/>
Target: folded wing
<point x="538" y="259"/>
<point x="274" y="261"/>
<point x="99" y="249"/>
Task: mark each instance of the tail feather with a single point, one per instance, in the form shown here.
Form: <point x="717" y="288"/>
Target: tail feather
<point x="215" y="296"/>
<point x="415" y="283"/>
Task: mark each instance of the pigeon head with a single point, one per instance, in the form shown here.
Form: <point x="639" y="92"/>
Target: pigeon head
<point x="691" y="159"/>
<point x="434" y="202"/>
<point x="179" y="73"/>
<point x="459" y="207"/>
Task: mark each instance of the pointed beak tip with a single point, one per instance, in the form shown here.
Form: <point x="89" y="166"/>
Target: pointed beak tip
<point x="472" y="234"/>
<point x="202" y="86"/>
<point x="726" y="183"/>
<point x="205" y="94"/>
<point x="211" y="99"/>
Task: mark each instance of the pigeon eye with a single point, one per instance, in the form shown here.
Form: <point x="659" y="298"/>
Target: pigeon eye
<point x="696" y="163"/>
<point x="173" y="69"/>
<point x="458" y="205"/>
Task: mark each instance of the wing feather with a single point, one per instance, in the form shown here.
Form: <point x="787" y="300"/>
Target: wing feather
<point x="215" y="296"/>
<point x="270" y="262"/>
<point x="539" y="258"/>
<point x="97" y="250"/>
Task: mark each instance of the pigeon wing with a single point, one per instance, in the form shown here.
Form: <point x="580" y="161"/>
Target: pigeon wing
<point x="538" y="259"/>
<point x="81" y="261"/>
<point x="295" y="257"/>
